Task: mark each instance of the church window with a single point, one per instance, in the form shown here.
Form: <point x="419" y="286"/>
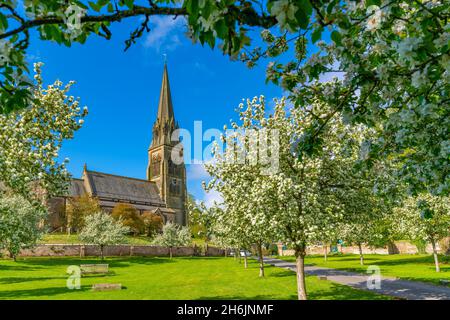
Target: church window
<point x="174" y="170"/>
<point x="156" y="165"/>
<point x="175" y="187"/>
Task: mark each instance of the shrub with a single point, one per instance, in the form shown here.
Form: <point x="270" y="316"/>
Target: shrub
<point x="130" y="217"/>
<point x="78" y="209"/>
<point x="153" y="223"/>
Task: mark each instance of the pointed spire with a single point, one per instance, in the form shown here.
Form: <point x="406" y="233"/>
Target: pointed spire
<point x="165" y="107"/>
<point x="85" y="167"/>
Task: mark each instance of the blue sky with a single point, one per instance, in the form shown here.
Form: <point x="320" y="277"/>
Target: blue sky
<point x="121" y="90"/>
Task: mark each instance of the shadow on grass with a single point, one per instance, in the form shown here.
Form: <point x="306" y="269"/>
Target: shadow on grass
<point x="257" y="297"/>
<point x="39" y="292"/>
<point x="66" y="261"/>
<point x="341" y="292"/>
<point x="12" y="280"/>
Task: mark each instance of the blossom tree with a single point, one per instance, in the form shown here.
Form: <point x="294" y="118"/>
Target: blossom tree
<point x="19" y="223"/>
<point x="392" y="58"/>
<point x="173" y="236"/>
<point x="293" y="198"/>
<point x="101" y="229"/>
<point x="424" y="217"/>
<point x="31" y="139"/>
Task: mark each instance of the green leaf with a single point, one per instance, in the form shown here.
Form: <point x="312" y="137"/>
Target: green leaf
<point x="129" y="3"/>
<point x="3" y="22"/>
<point x="336" y="37"/>
<point x="221" y="28"/>
<point x="316" y="34"/>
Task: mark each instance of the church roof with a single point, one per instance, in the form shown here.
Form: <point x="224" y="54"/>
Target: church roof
<point x="76" y="188"/>
<point x="104" y="185"/>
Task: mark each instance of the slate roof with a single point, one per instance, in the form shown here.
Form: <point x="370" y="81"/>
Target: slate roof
<point x="111" y="186"/>
<point x="76" y="188"/>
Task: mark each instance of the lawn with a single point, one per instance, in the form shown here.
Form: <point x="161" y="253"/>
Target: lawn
<point x="163" y="278"/>
<point x="62" y="238"/>
<point x="405" y="266"/>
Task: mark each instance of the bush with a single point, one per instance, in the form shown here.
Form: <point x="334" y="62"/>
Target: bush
<point x="130" y="218"/>
<point x="153" y="223"/>
<point x="78" y="209"/>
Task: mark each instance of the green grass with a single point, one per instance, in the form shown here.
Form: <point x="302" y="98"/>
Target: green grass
<point x="410" y="267"/>
<point x="61" y="238"/>
<point x="163" y="278"/>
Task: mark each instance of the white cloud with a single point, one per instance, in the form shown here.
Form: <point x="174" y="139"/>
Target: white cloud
<point x="197" y="172"/>
<point x="163" y="33"/>
<point x="211" y="197"/>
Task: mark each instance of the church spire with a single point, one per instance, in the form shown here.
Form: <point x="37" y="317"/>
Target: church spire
<point x="165" y="107"/>
<point x="165" y="122"/>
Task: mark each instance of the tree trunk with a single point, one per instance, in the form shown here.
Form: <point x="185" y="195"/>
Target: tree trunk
<point x="206" y="248"/>
<point x="325" y="252"/>
<point x="101" y="252"/>
<point x="261" y="260"/>
<point x="300" y="264"/>
<point x="245" y="262"/>
<point x="170" y="252"/>
<point x="361" y="257"/>
<point x="435" y="255"/>
<point x="236" y="254"/>
<point x="13" y="256"/>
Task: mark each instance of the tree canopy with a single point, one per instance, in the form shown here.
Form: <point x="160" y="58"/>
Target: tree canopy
<point x="391" y="59"/>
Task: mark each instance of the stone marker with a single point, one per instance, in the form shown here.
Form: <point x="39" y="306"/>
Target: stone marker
<point x="322" y="277"/>
<point x="106" y="287"/>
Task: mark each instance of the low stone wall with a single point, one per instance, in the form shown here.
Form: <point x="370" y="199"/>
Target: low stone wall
<point x="398" y="247"/>
<point x="66" y="250"/>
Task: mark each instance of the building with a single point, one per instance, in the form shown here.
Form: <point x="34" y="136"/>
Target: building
<point x="164" y="192"/>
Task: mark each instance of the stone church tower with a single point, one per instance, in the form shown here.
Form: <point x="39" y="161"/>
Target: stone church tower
<point x="162" y="167"/>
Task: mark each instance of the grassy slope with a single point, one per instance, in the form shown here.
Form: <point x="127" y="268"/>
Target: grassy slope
<point x="163" y="278"/>
<point x="411" y="267"/>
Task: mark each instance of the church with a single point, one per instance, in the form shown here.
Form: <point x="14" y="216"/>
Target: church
<point x="163" y="192"/>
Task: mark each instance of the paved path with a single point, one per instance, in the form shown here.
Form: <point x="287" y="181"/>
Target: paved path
<point x="410" y="290"/>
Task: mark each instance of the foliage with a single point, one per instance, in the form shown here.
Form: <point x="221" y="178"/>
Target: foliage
<point x="201" y="220"/>
<point x="296" y="200"/>
<point x="173" y="235"/>
<point x="153" y="223"/>
<point x="102" y="229"/>
<point x="77" y="210"/>
<point x="31" y="139"/>
<point x="424" y="217"/>
<point x="130" y="217"/>
<point x="19" y="223"/>
<point x="392" y="56"/>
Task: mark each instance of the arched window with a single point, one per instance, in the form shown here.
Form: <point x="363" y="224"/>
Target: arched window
<point x="174" y="170"/>
<point x="156" y="165"/>
<point x="175" y="187"/>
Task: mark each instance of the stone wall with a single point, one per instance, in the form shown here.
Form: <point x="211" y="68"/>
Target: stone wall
<point x="398" y="247"/>
<point x="54" y="250"/>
